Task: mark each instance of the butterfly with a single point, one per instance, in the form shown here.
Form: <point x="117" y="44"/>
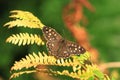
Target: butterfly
<point x="58" y="46"/>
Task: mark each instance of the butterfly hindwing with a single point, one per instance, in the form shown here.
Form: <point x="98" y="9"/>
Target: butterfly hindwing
<point x="74" y="48"/>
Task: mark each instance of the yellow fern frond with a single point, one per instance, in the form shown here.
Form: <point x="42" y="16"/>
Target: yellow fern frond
<point x="24" y="19"/>
<point x="22" y="23"/>
<point x="80" y="74"/>
<point x="25" y="15"/>
<point x="67" y="73"/>
<point x="33" y="60"/>
<point x="82" y="57"/>
<point x="14" y="75"/>
<point x="89" y="72"/>
<point x="25" y="39"/>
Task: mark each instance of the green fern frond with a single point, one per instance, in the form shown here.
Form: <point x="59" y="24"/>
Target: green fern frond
<point x="14" y="75"/>
<point x="25" y="39"/>
<point x="24" y="19"/>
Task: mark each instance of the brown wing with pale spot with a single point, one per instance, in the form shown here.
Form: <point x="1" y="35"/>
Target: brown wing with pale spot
<point x="53" y="40"/>
<point x="74" y="48"/>
<point x="69" y="48"/>
<point x="51" y="35"/>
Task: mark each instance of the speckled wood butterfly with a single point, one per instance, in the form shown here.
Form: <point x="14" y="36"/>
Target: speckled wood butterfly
<point x="58" y="46"/>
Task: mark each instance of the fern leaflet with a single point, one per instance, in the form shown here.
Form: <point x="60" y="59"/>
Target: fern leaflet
<point x="25" y="39"/>
<point x="25" y="19"/>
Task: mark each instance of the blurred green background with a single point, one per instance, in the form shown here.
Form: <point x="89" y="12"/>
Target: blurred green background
<point x="103" y="29"/>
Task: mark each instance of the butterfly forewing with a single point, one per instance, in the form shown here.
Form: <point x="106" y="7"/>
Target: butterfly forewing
<point x="51" y="35"/>
<point x="53" y="40"/>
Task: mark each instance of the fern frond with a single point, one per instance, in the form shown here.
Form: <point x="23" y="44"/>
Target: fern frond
<point x="23" y="15"/>
<point x="22" y="23"/>
<point x="67" y="73"/>
<point x="82" y="57"/>
<point x="24" y="39"/>
<point x="14" y="75"/>
<point x="90" y="71"/>
<point x="24" y="19"/>
<point x="33" y="60"/>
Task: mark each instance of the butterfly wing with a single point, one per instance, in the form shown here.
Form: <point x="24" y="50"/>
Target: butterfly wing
<point x="53" y="40"/>
<point x="69" y="48"/>
<point x="74" y="48"/>
<point x="50" y="34"/>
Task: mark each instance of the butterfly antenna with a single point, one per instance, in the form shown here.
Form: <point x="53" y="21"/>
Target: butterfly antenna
<point x="64" y="34"/>
<point x="63" y="31"/>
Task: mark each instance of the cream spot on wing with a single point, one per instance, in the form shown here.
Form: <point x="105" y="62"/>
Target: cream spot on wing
<point x="49" y="30"/>
<point x="75" y="45"/>
<point x="76" y="49"/>
<point x="79" y="47"/>
<point x="82" y="49"/>
<point x="52" y="45"/>
<point x="50" y="39"/>
<point x="55" y="34"/>
<point x="72" y="45"/>
<point x="49" y="33"/>
<point x="79" y="50"/>
<point x="52" y="32"/>
<point x="49" y="36"/>
<point x="46" y="31"/>
<point x="70" y="48"/>
<point x="65" y="51"/>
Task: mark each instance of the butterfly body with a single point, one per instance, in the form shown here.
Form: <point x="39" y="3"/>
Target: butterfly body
<point x="58" y="46"/>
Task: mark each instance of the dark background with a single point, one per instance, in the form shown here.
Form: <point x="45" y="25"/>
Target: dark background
<point x="103" y="29"/>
